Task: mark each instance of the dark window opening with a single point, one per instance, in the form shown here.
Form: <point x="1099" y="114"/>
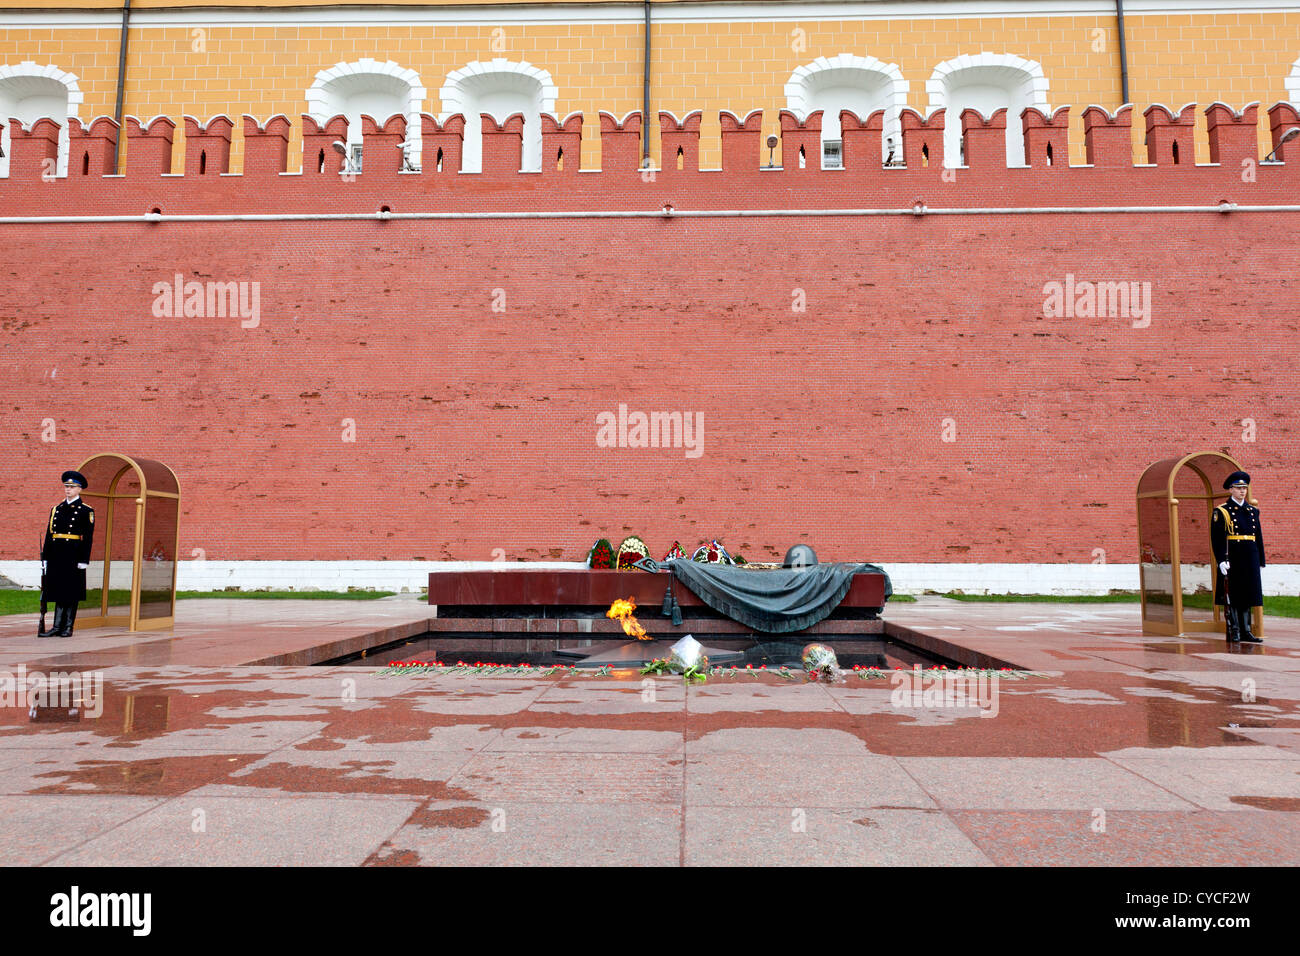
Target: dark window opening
<point x="1049" y="154"/>
<point x="203" y="162"/>
<point x="1175" y="152"/>
<point x="85" y="164"/>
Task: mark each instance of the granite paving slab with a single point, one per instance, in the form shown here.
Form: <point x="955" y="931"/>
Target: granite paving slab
<point x="1223" y="783"/>
<point x="767" y="836"/>
<point x="1132" y="838"/>
<point x="247" y="831"/>
<point x="465" y="833"/>
<point x="530" y="777"/>
<point x="39" y="828"/>
<point x="776" y="779"/>
<point x="1037" y="783"/>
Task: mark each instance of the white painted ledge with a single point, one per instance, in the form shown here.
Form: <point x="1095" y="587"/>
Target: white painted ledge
<point x="1060" y="579"/>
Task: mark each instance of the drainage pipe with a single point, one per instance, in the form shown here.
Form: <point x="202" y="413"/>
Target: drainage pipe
<point x="1123" y="54"/>
<point x="121" y="81"/>
<point x="645" y="95"/>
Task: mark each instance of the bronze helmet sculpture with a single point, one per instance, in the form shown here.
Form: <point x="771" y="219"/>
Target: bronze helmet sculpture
<point x="800" y="556"/>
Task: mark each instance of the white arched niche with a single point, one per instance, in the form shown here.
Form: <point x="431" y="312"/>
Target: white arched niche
<point x="1292" y="83"/>
<point x="29" y="92"/>
<point x="378" y="90"/>
<point x="986" y="82"/>
<point x="499" y="88"/>
<point x="849" y="82"/>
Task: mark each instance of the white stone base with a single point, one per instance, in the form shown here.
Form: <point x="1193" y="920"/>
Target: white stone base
<point x="1063" y="579"/>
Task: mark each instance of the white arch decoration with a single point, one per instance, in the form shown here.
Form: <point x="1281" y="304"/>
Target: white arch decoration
<point x="987" y="81"/>
<point x="368" y="86"/>
<point x="493" y="87"/>
<point x="40" y="87"/>
<point x="1293" y="84"/>
<point x="863" y="84"/>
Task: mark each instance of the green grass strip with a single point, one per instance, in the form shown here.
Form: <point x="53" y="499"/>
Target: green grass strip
<point x="29" y="602"/>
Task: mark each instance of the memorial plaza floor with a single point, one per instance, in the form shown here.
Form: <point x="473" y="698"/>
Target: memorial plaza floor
<point x="217" y="743"/>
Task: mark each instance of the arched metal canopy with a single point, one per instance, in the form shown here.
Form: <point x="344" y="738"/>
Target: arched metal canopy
<point x="132" y="576"/>
<point x="1175" y="498"/>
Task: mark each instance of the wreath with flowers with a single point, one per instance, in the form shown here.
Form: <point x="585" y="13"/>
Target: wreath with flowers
<point x="713" y="553"/>
<point x="601" y="555"/>
<point x="632" y="549"/>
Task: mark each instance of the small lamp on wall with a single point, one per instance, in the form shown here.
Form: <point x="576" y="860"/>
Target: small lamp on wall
<point x="1286" y="137"/>
<point x="771" y="150"/>
<point x="341" y="148"/>
<point x="407" y="166"/>
<point x="890" y="158"/>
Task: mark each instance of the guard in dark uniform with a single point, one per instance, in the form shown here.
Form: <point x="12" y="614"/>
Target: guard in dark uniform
<point x="1238" y="543"/>
<point x="65" y="556"/>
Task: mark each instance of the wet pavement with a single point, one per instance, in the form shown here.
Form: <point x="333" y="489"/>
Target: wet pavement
<point x="1129" y="750"/>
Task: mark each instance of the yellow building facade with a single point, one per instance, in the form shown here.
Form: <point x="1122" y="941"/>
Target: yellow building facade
<point x="184" y="58"/>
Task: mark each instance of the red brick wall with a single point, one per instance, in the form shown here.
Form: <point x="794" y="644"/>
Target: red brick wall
<point x="476" y="430"/>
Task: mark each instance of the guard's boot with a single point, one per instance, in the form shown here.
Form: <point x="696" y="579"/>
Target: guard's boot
<point x="62" y="620"/>
<point x="1230" y="622"/>
<point x="69" y="619"/>
<point x="55" y="625"/>
<point x="1244" y="614"/>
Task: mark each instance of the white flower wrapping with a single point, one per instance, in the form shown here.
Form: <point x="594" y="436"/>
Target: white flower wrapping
<point x="686" y="653"/>
<point x="818" y="658"/>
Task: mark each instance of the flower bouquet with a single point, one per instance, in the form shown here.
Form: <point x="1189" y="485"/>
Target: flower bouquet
<point x="820" y="661"/>
<point x="686" y="657"/>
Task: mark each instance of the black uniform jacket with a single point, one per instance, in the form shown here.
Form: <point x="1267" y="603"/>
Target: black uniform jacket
<point x="68" y="535"/>
<point x="1236" y="537"/>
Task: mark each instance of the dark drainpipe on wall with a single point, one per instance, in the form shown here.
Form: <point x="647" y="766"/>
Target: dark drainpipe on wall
<point x="121" y="82"/>
<point x="645" y="98"/>
<point x="1123" y="55"/>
